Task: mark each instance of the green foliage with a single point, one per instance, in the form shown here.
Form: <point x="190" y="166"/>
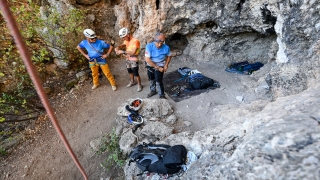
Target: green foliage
<point x="3" y="151"/>
<point x="60" y="31"/>
<point x="7" y="133"/>
<point x="15" y="106"/>
<point x="110" y="143"/>
<point x="43" y="29"/>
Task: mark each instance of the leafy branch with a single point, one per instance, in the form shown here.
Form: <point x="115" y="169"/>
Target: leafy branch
<point x="110" y="144"/>
<point x="45" y="30"/>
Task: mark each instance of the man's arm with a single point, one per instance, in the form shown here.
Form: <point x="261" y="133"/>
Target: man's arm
<point x="148" y="59"/>
<point x="152" y="64"/>
<point x="167" y="63"/>
<point x="104" y="56"/>
<point x="133" y="49"/>
<point x="109" y="51"/>
<point x="82" y="52"/>
<point x="130" y="53"/>
<point x="117" y="49"/>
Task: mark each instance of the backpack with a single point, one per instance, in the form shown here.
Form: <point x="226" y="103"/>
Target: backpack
<point x="199" y="81"/>
<point x="249" y="68"/>
<point x="184" y="71"/>
<point x="244" y="67"/>
<point x="162" y="159"/>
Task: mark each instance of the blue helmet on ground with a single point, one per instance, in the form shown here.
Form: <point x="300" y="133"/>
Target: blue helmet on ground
<point x="134" y="119"/>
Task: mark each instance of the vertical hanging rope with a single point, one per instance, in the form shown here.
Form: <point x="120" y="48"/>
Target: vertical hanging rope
<point x="35" y="78"/>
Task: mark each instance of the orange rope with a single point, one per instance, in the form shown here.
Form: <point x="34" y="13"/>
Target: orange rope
<point x="35" y="78"/>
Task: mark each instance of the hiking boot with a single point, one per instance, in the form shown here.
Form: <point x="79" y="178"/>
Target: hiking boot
<point x="152" y="93"/>
<point x="114" y="88"/>
<point x="94" y="87"/>
<point x="162" y="96"/>
<point x="139" y="88"/>
<point x="131" y="84"/>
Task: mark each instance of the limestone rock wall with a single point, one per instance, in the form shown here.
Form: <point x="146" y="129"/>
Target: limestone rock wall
<point x="281" y="141"/>
<point x="213" y="31"/>
<point x="222" y="32"/>
<point x="261" y="140"/>
<point x="298" y="58"/>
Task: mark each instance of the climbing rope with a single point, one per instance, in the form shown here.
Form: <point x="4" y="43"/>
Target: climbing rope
<point x="25" y="55"/>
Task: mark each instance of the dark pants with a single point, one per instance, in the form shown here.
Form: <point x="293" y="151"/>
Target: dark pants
<point x="155" y="78"/>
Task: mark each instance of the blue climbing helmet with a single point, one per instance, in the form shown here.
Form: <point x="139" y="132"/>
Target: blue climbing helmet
<point x="135" y="119"/>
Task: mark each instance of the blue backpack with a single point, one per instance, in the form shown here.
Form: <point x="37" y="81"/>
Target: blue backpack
<point x="184" y="71"/>
<point x="244" y="67"/>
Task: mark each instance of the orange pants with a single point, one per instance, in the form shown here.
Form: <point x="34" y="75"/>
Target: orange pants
<point x="106" y="71"/>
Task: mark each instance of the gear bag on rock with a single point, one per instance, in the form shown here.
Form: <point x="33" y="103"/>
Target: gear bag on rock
<point x="162" y="159"/>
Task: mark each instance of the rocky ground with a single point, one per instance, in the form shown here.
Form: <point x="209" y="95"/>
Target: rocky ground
<point x="85" y="115"/>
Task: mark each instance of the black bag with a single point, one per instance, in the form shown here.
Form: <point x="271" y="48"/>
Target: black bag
<point x="199" y="81"/>
<point x="174" y="157"/>
<point x="162" y="159"/>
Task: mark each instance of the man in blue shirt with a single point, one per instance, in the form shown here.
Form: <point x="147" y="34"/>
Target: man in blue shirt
<point x="96" y="56"/>
<point x="158" y="57"/>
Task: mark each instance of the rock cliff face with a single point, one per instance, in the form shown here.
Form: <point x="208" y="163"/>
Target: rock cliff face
<point x="282" y="32"/>
<point x="260" y="140"/>
<point x="281" y="141"/>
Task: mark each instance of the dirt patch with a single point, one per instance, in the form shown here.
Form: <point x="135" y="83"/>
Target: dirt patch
<point x="86" y="114"/>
